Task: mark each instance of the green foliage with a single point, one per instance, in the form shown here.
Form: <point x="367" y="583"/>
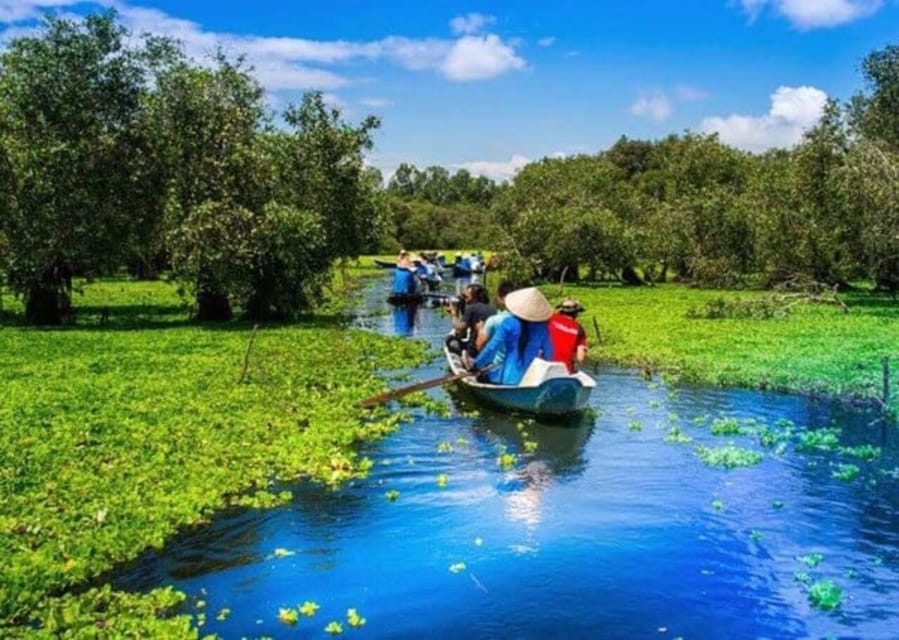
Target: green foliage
<point x="100" y="458"/>
<point x="727" y="427"/>
<point x="756" y="309"/>
<point x="846" y="472"/>
<point x="826" y="439"/>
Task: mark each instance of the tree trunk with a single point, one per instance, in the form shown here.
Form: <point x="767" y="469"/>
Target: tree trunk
<point x="629" y="277"/>
<point x="45" y="306"/>
<point x="212" y="304"/>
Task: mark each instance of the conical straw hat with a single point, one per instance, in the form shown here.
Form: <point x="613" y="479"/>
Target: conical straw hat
<point x="529" y="304"/>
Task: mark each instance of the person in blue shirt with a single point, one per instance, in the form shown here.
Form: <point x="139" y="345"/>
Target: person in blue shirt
<point x="404" y="282"/>
<point x="524" y="334"/>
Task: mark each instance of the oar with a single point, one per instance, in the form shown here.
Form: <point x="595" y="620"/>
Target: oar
<point x="374" y="401"/>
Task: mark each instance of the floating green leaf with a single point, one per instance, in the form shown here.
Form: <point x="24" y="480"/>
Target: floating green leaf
<point x="825" y="595"/>
<point x="354" y="619"/>
<point x="334" y="628"/>
<point x="309" y="608"/>
<point x="458" y="567"/>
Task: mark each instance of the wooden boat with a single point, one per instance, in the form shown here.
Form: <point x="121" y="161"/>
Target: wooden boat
<point x="547" y="389"/>
<point x="385" y="264"/>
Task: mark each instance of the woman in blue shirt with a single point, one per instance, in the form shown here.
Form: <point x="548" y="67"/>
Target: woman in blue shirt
<point x="524" y="334"/>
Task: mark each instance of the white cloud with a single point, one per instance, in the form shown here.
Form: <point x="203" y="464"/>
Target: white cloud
<point x="376" y="103"/>
<point x="498" y="171"/>
<point x="655" y="105"/>
<point x="284" y="63"/>
<point x="793" y="111"/>
<point x="20" y="10"/>
<point x="813" y="14"/>
<point x="547" y="42"/>
<point x="470" y="24"/>
<point x="480" y="57"/>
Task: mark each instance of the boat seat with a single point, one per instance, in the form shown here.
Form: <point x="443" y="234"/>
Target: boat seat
<point x="542" y="370"/>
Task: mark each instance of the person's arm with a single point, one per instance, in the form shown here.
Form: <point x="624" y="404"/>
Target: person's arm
<point x="486" y="355"/>
<point x="582" y="347"/>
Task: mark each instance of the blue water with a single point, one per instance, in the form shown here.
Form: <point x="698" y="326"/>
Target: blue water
<point x="604" y="531"/>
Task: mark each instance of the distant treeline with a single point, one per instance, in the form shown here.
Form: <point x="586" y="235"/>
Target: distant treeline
<point x="119" y="152"/>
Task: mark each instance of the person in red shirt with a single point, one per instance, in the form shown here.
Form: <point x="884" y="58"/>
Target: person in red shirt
<point x="568" y="337"/>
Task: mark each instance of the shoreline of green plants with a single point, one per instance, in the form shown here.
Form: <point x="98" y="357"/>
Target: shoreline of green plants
<point x="123" y="429"/>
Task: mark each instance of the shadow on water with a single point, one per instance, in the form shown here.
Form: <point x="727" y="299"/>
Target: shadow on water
<point x="607" y="526"/>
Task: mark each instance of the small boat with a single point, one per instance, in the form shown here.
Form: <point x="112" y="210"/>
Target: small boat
<point x="385" y="264"/>
<point x="547" y="389"/>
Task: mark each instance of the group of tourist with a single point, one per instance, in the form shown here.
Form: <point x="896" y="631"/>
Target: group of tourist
<point x="504" y="340"/>
<point x="415" y="274"/>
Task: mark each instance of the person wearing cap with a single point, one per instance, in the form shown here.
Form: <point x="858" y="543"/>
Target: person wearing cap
<point x="524" y="335"/>
<point x="568" y="336"/>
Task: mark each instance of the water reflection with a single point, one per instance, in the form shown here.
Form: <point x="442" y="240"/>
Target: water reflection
<point x="404" y="319"/>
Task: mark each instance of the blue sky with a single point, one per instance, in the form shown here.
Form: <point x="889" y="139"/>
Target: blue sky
<point x="491" y="85"/>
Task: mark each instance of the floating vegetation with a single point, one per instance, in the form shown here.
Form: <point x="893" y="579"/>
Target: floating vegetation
<point x="825" y="439"/>
<point x="288" y="616"/>
<point x="717" y="505"/>
<point x="478" y="542"/>
<point x="825" y="595"/>
<point x="700" y="420"/>
<point x="283" y="553"/>
<point x="392" y="495"/>
<point x="673" y="417"/>
<point x="334" y="628"/>
<point x="755" y="535"/>
<point x="727" y="427"/>
<point x="462" y="442"/>
<point x="728" y="456"/>
<point x="530" y="446"/>
<point x="458" y="567"/>
<point x="803" y="577"/>
<point x="677" y="436"/>
<point x="354" y="619"/>
<point x="864" y="452"/>
<point x="777" y="504"/>
<point x="769" y="436"/>
<point x="846" y="472"/>
<point x="309" y="608"/>
<point x="444" y="447"/>
<point x="506" y="460"/>
<point x="811" y="560"/>
<point x="756" y="309"/>
<point x="223" y="614"/>
<point x="635" y="425"/>
<point x="654" y="404"/>
<point x="442" y="480"/>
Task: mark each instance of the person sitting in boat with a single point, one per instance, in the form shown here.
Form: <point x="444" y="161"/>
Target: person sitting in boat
<point x="465" y="326"/>
<point x="568" y="336"/>
<point x="405" y="283"/>
<point x="486" y="331"/>
<point x="431" y="274"/>
<point x="524" y="335"/>
<point x="474" y="263"/>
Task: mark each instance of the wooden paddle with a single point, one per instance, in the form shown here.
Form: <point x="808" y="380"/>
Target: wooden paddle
<point x="374" y="401"/>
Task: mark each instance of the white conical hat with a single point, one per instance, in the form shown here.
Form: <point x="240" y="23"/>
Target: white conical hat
<point x="529" y="304"/>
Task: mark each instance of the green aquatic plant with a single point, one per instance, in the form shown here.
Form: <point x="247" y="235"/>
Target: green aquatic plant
<point x="635" y="425"/>
<point x="727" y="427"/>
<point x="530" y="446"/>
<point x="811" y="560"/>
<point x="223" y="614"/>
<point x="457" y="567"/>
<point x="462" y="442"/>
<point x="654" y="404"/>
<point x="288" y="616"/>
<point x="506" y="460"/>
<point x="444" y="447"/>
<point x="309" y="608"/>
<point x="846" y="472"/>
<point x="717" y="505"/>
<point x="825" y="595"/>
<point x="700" y="420"/>
<point x="755" y="535"/>
<point x="392" y="495"/>
<point x="863" y="451"/>
<point x="728" y="456"/>
<point x="334" y="628"/>
<point x="777" y="504"/>
<point x="442" y="480"/>
<point x="677" y="436"/>
<point x="283" y="553"/>
<point x="803" y="577"/>
<point x="354" y="619"/>
<point x="825" y="439"/>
